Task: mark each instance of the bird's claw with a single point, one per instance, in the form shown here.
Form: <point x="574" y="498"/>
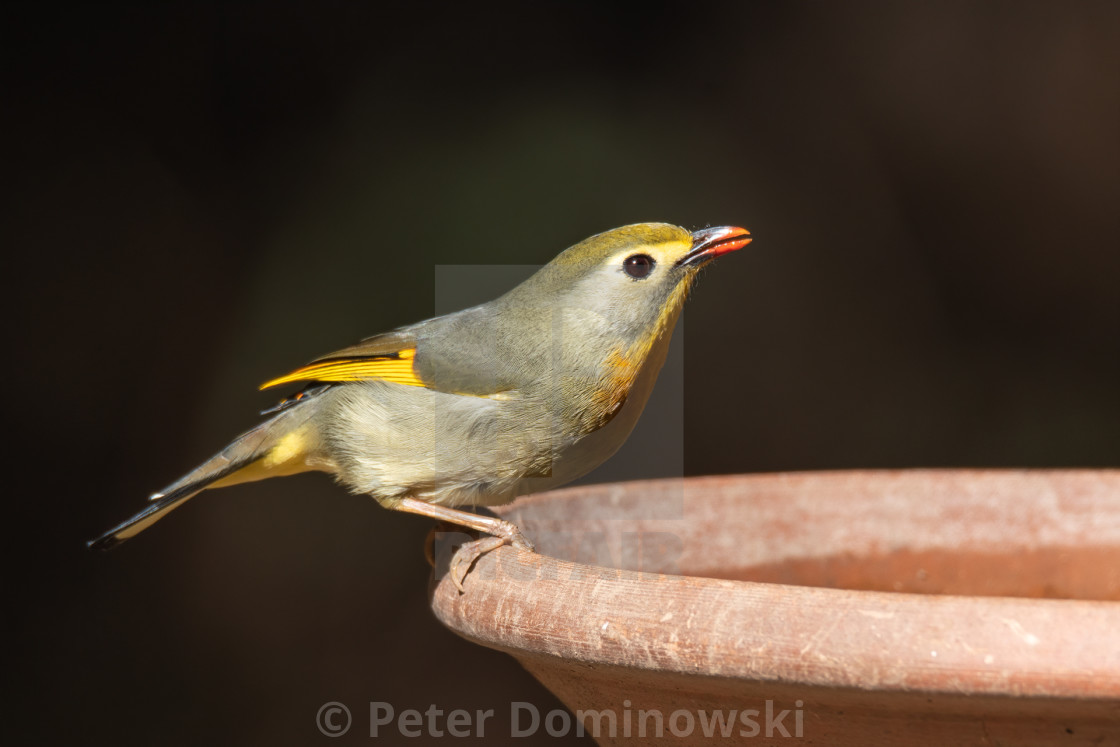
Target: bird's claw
<point x="463" y="560"/>
<point x="506" y="533"/>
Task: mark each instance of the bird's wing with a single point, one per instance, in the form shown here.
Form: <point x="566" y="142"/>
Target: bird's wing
<point x="388" y="357"/>
<point x="456" y="354"/>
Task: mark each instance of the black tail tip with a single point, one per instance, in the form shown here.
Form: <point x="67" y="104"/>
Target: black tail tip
<point x="103" y="543"/>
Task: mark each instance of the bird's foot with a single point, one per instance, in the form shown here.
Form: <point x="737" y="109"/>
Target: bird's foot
<point x="509" y="531"/>
<point x="466" y="555"/>
<point x="501" y="532"/>
<point x="504" y="532"/>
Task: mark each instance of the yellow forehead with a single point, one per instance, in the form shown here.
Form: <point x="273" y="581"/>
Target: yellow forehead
<point x="665" y="252"/>
<point x="662" y="241"/>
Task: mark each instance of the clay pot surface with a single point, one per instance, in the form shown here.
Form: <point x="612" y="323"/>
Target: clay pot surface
<point x="874" y="607"/>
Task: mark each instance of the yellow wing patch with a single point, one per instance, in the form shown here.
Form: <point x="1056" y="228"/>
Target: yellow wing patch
<point x="396" y="367"/>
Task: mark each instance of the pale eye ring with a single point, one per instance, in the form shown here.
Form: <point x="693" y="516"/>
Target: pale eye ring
<point x="638" y="266"/>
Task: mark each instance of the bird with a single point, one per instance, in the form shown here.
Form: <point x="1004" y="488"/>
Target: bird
<point x="514" y="396"/>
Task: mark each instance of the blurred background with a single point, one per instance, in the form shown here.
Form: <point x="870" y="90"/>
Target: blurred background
<point x="201" y="197"/>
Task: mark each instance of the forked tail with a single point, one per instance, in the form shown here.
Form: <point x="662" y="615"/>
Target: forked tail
<point x="282" y="445"/>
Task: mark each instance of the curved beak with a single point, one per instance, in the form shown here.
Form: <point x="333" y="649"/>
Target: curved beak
<point x="709" y="243"/>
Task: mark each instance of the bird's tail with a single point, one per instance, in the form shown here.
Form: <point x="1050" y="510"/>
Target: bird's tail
<point x="283" y="445"/>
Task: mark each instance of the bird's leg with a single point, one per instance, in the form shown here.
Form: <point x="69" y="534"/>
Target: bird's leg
<point x="502" y="532"/>
<point x="506" y="530"/>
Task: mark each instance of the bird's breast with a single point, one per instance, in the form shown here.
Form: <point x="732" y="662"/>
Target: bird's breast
<point x="619" y="372"/>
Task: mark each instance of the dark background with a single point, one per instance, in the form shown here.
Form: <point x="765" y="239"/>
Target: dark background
<point x="201" y="197"/>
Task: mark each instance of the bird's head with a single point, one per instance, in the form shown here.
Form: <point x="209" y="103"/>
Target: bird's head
<point x="630" y="282"/>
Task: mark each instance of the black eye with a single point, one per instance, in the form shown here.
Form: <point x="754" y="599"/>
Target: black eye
<point x="638" y="266"/>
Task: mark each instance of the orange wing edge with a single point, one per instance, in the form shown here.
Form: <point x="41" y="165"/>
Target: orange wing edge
<point x="395" y="367"/>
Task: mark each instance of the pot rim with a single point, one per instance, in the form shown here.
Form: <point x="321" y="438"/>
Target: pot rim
<point x="533" y="605"/>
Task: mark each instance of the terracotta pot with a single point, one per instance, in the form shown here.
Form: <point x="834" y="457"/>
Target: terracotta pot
<point x="911" y="607"/>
